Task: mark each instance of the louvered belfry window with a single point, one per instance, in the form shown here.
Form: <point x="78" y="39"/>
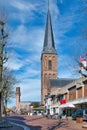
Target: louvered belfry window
<point x="50" y="65"/>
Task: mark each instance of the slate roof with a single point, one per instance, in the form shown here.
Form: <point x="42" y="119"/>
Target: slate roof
<point x="60" y="82"/>
<point x="49" y="45"/>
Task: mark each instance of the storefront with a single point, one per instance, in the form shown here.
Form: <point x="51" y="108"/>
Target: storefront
<point x="71" y="107"/>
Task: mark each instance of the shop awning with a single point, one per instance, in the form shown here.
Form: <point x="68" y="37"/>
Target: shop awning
<point x="67" y="105"/>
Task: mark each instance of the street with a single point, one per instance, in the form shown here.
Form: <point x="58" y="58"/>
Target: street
<point x="42" y="123"/>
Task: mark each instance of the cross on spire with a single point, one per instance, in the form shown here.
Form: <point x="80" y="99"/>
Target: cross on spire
<point x="48" y="4"/>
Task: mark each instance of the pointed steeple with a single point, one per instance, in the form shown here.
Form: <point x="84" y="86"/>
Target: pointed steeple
<point x="49" y="45"/>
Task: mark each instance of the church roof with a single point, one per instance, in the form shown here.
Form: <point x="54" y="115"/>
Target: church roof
<point x="60" y="82"/>
<point x="49" y="45"/>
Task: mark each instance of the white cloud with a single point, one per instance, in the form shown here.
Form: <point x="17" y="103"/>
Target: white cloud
<point x="22" y="6"/>
<point x="54" y="9"/>
<point x="14" y="62"/>
<point x="29" y="72"/>
<point x="26" y="11"/>
<point x="67" y="66"/>
<point x="28" y="38"/>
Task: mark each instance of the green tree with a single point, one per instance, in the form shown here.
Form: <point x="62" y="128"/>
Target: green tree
<point x="35" y="104"/>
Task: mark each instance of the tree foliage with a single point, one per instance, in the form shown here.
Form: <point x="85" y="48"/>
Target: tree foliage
<point x="83" y="68"/>
<point x="35" y="104"/>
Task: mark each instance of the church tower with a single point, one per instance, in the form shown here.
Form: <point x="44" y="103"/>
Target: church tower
<point x="48" y="59"/>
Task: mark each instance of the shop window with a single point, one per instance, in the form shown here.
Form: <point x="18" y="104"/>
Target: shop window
<point x="54" y="98"/>
<point x="60" y="97"/>
<point x="85" y="82"/>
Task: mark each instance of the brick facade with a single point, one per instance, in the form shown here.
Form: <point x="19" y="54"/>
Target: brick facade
<point x="76" y="94"/>
<point x="79" y="92"/>
<point x="72" y="95"/>
<point x="71" y="92"/>
<point x="85" y="91"/>
<point x="18" y="98"/>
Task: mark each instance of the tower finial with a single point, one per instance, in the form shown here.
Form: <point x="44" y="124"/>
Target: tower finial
<point x="48" y="4"/>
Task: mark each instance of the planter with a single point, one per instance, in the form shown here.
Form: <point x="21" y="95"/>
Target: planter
<point x="79" y="119"/>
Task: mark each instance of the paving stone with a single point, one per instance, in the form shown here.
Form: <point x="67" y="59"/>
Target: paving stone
<point x="42" y="123"/>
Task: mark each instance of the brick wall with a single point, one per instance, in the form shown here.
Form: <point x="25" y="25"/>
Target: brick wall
<point x="85" y="91"/>
<point x="72" y="95"/>
<point x="47" y="73"/>
<point x="79" y="92"/>
<point x="17" y="98"/>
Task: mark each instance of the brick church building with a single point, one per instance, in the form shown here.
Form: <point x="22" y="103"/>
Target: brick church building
<point x="48" y="59"/>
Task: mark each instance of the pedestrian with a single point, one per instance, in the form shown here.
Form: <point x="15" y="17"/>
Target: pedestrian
<point x="60" y="116"/>
<point x="51" y="114"/>
<point x="66" y="116"/>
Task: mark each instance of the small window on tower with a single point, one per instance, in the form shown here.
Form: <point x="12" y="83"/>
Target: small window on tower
<point x="49" y="64"/>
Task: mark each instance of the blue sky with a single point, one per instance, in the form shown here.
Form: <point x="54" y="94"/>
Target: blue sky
<point x="26" y="22"/>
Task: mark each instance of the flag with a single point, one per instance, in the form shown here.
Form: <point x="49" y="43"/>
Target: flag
<point x="63" y="101"/>
<point x="83" y="60"/>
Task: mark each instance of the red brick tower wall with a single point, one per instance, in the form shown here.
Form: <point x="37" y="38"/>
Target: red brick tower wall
<point x="47" y="73"/>
<point x="18" y="98"/>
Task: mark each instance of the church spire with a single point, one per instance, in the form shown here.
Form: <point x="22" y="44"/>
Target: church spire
<point x="49" y="45"/>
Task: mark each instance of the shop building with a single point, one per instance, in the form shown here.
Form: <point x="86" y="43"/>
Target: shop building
<point x="71" y="96"/>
